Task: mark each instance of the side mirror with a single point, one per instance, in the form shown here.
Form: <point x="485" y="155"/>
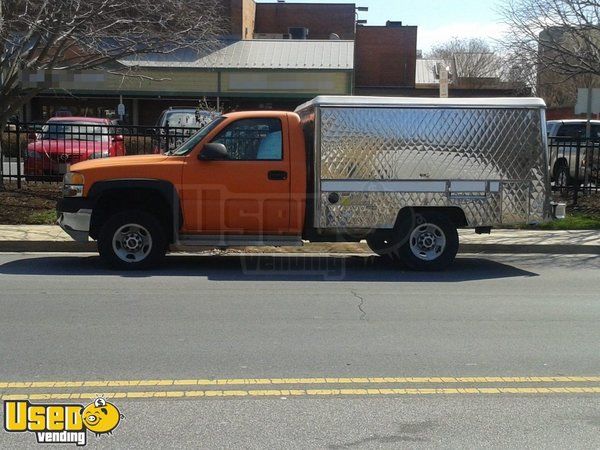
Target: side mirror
<point x="118" y="138"/>
<point x="213" y="152"/>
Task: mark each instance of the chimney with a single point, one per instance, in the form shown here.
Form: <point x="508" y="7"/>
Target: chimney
<point x="393" y="24"/>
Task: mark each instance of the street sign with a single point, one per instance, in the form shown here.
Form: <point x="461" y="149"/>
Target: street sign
<point x="583" y="101"/>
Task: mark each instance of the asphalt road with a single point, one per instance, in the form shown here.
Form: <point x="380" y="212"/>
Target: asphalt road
<point x="270" y="328"/>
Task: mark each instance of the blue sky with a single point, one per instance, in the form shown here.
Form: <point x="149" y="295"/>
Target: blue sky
<point x="438" y="20"/>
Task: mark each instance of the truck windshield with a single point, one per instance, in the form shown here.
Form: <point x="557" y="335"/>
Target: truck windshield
<point x="188" y="145"/>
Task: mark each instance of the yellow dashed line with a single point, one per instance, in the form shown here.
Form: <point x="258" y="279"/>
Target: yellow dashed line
<point x="307" y="393"/>
<point x="295" y="381"/>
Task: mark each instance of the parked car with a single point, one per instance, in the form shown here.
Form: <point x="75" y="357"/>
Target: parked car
<point x="564" y="136"/>
<point x="402" y="173"/>
<point x="181" y="123"/>
<point x="68" y="140"/>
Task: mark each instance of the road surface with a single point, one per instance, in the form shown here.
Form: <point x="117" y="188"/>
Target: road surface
<point x="311" y="352"/>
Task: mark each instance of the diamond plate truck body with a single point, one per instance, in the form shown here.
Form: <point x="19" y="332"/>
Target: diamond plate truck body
<point x="375" y="156"/>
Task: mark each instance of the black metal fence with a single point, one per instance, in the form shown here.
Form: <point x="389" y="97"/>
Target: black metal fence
<point x="574" y="167"/>
<point x="34" y="152"/>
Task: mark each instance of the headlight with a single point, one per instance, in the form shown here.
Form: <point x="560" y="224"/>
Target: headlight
<point x="73" y="178"/>
<point x="73" y="183"/>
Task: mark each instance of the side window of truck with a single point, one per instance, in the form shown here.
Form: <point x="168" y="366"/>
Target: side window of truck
<point x="253" y="140"/>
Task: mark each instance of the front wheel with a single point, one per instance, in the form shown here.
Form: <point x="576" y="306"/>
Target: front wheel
<point x="132" y="240"/>
<point x="432" y="243"/>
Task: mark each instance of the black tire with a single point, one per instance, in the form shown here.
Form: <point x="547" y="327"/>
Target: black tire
<point x="146" y="229"/>
<point x="383" y="244"/>
<point x="562" y="175"/>
<point x="422" y="248"/>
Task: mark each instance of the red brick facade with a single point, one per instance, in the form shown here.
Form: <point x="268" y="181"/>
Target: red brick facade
<point x="385" y="56"/>
<point x="242" y="15"/>
<point x="321" y="19"/>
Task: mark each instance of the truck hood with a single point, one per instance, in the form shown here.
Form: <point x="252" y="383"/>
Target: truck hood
<point x="119" y="161"/>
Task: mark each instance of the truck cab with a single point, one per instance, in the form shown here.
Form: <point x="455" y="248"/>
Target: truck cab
<point x="241" y="180"/>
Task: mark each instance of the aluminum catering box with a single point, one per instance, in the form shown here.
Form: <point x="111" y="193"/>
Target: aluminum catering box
<point x="373" y="156"/>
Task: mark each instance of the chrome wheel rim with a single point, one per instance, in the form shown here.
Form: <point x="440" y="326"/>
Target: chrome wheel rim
<point x="427" y="242"/>
<point x="132" y="243"/>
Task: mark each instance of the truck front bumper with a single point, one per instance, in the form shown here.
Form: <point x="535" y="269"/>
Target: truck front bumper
<point x="74" y="217"/>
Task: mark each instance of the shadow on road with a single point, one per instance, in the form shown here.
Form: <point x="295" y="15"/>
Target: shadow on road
<point x="270" y="268"/>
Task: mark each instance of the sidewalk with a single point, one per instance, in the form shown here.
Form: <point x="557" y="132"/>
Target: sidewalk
<point x="50" y="238"/>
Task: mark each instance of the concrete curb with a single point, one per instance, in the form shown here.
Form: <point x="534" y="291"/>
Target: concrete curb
<point x="90" y="247"/>
<point x="48" y="246"/>
<point x="556" y="249"/>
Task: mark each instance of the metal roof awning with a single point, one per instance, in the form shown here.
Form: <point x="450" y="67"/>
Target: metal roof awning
<point x="284" y="54"/>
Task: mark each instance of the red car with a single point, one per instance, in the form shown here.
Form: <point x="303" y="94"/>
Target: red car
<point x="68" y="140"/>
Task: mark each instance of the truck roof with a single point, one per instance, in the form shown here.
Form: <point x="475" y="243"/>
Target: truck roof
<point x="349" y="101"/>
<point x="576" y="121"/>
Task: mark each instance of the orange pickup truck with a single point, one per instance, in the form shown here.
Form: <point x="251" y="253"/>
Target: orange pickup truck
<point x="403" y="174"/>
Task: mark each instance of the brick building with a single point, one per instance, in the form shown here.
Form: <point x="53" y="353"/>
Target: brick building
<point x="273" y="55"/>
<point x="385" y="58"/>
<point x="321" y="20"/>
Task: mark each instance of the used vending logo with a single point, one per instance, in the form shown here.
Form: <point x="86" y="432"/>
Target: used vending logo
<point x="64" y="424"/>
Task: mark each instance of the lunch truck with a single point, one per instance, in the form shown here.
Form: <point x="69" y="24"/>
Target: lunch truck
<point x="404" y="174"/>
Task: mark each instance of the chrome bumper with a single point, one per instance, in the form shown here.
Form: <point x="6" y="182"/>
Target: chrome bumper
<point x="76" y="224"/>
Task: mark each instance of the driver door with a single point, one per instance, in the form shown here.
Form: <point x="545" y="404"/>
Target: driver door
<point x="246" y="194"/>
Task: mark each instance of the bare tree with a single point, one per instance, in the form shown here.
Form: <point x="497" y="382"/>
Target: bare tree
<point x="473" y="58"/>
<point x="563" y="35"/>
<point x="42" y="36"/>
<point x="559" y="40"/>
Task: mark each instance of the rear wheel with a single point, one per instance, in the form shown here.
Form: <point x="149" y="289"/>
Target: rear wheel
<point x="132" y="240"/>
<point x="381" y="244"/>
<point x="432" y="243"/>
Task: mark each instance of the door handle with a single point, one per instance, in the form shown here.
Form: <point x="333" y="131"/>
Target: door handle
<point x="278" y="175"/>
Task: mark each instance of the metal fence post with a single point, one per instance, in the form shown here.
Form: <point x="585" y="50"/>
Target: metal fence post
<point x="167" y="137"/>
<point x="576" y="181"/>
<point x="18" y="145"/>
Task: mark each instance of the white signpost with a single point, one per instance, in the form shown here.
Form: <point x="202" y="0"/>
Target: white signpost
<point x="443" y="81"/>
<point x="588" y="103"/>
<point x="121" y="108"/>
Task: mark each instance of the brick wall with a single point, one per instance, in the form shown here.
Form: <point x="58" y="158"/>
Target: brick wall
<point x="242" y="15"/>
<point x="385" y="56"/>
<point x="320" y="19"/>
<point x="248" y="19"/>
